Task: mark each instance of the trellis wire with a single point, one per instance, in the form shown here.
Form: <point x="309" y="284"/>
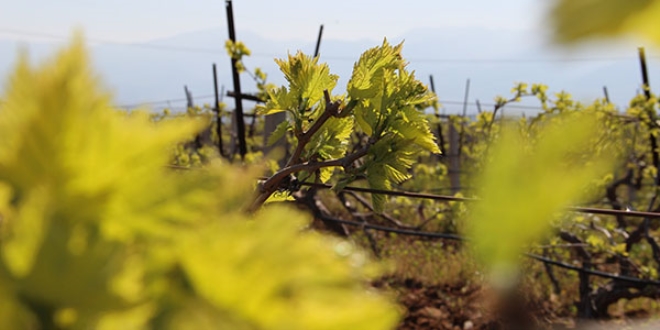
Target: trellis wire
<point x="592" y="210"/>
<point x="455" y="237"/>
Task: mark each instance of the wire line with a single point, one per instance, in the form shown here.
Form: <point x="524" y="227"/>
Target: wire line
<point x="24" y="33"/>
<point x="556" y="263"/>
<point x="592" y="210"/>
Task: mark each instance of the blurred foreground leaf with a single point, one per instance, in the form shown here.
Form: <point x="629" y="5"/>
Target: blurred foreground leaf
<point x="530" y="177"/>
<point x="576" y="21"/>
<point x="96" y="233"/>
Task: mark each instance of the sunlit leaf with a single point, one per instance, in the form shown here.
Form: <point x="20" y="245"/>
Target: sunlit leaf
<point x="307" y="79"/>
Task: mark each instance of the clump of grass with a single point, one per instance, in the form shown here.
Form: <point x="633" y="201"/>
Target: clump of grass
<point x="433" y="263"/>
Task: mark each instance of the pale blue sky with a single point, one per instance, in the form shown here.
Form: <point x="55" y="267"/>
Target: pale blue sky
<point x="143" y="20"/>
<point x="495" y="43"/>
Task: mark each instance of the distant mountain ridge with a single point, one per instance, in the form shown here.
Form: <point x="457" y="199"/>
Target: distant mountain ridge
<point x="492" y="59"/>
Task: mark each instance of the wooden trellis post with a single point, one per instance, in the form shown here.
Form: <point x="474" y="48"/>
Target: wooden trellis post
<point x="238" y="110"/>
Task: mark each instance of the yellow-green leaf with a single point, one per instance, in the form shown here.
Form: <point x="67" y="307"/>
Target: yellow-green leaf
<point x="25" y="233"/>
<point x="97" y="233"/>
<point x="527" y="182"/>
<point x="291" y="280"/>
<point x="580" y="20"/>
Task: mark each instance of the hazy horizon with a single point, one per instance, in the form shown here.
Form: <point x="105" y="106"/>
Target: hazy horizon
<point x="175" y="43"/>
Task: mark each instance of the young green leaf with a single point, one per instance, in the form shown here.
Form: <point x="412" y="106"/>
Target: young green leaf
<point x="307" y="79"/>
<point x="278" y="133"/>
<point x="390" y="105"/>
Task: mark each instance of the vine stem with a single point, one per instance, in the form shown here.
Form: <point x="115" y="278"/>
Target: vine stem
<point x="271" y="185"/>
<point x="331" y="110"/>
<point x="294" y="165"/>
